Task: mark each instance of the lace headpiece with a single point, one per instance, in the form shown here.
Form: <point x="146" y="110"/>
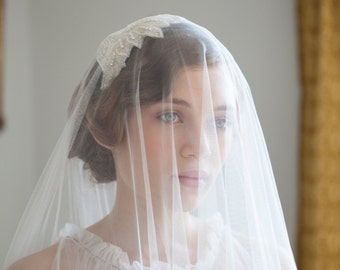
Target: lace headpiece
<point x="116" y="47"/>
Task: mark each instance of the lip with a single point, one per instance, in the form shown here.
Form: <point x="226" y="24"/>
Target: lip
<point x="192" y="179"/>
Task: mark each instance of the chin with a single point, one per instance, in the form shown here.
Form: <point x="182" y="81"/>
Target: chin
<point x="190" y="202"/>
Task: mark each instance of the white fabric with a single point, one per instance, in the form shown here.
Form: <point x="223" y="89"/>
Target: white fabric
<point x="162" y="164"/>
<point x="96" y="251"/>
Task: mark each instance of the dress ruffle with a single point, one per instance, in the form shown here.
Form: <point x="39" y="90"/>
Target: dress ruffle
<point x="109" y="254"/>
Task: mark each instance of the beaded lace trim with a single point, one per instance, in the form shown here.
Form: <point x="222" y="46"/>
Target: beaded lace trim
<point x="116" y="48"/>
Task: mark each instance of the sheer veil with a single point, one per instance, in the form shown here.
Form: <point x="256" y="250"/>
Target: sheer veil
<point x="162" y="163"/>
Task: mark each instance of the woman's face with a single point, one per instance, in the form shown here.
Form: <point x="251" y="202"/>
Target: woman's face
<point x="175" y="148"/>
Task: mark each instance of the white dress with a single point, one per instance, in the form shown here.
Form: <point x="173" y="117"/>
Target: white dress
<point x="81" y="249"/>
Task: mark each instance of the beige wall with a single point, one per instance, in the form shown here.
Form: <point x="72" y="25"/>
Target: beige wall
<point x="49" y="45"/>
<point x="16" y="141"/>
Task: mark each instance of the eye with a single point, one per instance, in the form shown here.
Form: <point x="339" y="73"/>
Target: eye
<point x="169" y="117"/>
<point x="221" y="123"/>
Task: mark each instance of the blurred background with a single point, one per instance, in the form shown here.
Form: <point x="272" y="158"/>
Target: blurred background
<point x="48" y="45"/>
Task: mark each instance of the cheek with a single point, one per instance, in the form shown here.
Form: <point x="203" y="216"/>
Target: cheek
<point x="158" y="150"/>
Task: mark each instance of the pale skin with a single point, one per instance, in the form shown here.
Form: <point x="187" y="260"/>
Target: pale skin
<point x="184" y="115"/>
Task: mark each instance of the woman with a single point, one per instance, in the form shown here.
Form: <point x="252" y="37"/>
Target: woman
<point x="162" y="161"/>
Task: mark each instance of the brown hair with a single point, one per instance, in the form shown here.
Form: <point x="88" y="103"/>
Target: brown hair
<point x="155" y="65"/>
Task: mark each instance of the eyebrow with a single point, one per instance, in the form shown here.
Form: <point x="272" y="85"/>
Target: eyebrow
<point x="182" y="102"/>
<point x="178" y="101"/>
<point x="222" y="108"/>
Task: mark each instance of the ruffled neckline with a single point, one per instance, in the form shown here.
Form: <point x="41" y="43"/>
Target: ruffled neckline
<point x="119" y="259"/>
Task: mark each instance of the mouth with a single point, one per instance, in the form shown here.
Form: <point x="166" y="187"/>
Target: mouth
<point x="193" y="179"/>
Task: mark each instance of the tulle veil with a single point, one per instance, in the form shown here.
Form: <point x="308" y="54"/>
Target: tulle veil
<point x="162" y="163"/>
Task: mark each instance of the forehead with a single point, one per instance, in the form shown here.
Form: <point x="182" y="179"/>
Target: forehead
<point x="204" y="83"/>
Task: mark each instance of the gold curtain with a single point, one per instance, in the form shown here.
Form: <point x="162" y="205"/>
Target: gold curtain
<point x="319" y="225"/>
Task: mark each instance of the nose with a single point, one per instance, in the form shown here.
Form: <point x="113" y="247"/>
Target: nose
<point x="197" y="143"/>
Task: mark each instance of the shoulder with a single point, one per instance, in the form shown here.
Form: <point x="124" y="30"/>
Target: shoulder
<point x="41" y="260"/>
<point x="283" y="254"/>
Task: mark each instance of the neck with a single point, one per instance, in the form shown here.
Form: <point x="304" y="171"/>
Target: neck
<point x="136" y="225"/>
